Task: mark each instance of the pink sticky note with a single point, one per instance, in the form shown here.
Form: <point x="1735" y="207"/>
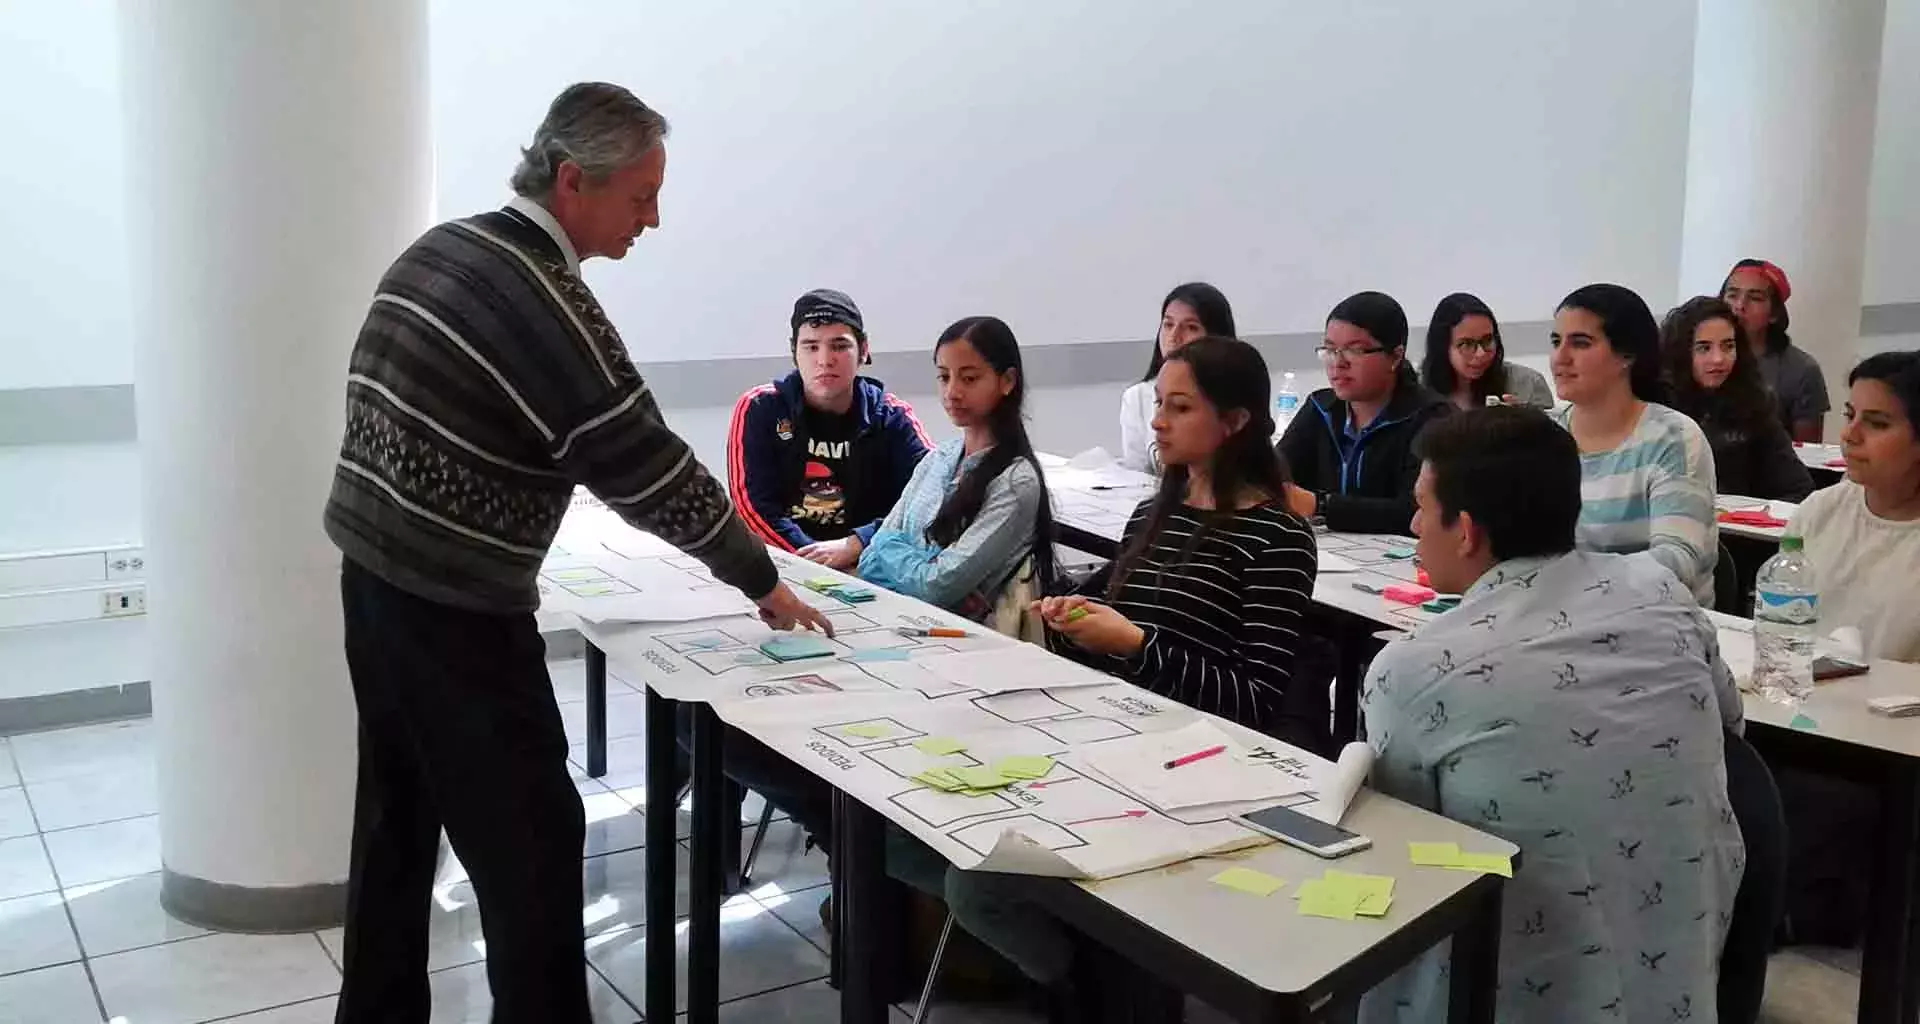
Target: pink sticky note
<point x="1408" y="593"/>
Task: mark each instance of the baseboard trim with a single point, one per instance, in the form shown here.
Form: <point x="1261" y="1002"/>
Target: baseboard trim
<point x="75" y="707"/>
<point x="257" y="909"/>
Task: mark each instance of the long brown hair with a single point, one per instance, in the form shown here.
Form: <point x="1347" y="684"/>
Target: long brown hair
<point x="1231" y="376"/>
<point x="1742" y="401"/>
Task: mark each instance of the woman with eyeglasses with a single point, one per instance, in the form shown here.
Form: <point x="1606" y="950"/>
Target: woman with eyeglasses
<point x="1646" y="471"/>
<point x="1467" y="362"/>
<point x="1350" y="450"/>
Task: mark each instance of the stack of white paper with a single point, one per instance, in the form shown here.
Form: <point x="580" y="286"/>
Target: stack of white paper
<point x="1138" y="764"/>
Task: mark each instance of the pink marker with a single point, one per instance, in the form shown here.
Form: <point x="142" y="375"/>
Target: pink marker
<point x="1198" y="755"/>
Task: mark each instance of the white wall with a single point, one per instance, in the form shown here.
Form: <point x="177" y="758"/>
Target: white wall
<point x="63" y="272"/>
<point x="1063" y="164"/>
<point x="1893" y="220"/>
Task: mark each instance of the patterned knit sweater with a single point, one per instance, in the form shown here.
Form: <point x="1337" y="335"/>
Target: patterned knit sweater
<point x="485" y="383"/>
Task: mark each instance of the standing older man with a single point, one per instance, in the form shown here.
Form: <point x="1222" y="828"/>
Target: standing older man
<point x="485" y="383"/>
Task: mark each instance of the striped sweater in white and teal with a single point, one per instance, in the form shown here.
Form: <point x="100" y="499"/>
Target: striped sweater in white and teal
<point x="1653" y="493"/>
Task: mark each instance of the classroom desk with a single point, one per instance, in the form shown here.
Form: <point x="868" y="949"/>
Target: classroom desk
<point x="1824" y="461"/>
<point x="1740" y="503"/>
<point x="1256" y="960"/>
<point x="1849" y="741"/>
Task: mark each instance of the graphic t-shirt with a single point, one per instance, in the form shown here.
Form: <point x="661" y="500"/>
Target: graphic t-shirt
<point x="822" y="506"/>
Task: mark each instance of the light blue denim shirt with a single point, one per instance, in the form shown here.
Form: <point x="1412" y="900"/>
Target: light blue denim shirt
<point x="1574" y="706"/>
<point x="967" y="575"/>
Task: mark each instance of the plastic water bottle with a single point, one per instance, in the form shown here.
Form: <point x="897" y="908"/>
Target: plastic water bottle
<point x="1786" y="613"/>
<point x="1285" y="404"/>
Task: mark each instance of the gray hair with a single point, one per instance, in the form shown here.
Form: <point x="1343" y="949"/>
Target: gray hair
<point x="599" y="126"/>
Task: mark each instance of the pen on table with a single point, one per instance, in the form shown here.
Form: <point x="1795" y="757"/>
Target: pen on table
<point x="1197" y="755"/>
<point x="1368" y="588"/>
<point x="946" y="631"/>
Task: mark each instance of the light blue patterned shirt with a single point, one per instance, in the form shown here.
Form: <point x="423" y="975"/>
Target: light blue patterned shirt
<point x="1575" y="706"/>
<point x="1654" y="494"/>
<point x="967" y="575"/>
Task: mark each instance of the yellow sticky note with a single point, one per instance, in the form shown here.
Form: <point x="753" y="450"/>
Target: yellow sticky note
<point x="978" y="778"/>
<point x="1372" y="893"/>
<point x="1435" y="855"/>
<point x="940" y="746"/>
<point x="1249" y="881"/>
<point x="867" y="731"/>
<point x="1024" y="767"/>
<point x="940" y="778"/>
<point x="597" y="588"/>
<point x="1318" y="898"/>
<point x="1486" y="863"/>
<point x="577" y="575"/>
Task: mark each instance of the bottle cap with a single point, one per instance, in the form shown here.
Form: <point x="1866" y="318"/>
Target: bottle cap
<point x="1792" y="542"/>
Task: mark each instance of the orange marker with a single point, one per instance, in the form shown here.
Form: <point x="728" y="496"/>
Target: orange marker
<point x="946" y="631"/>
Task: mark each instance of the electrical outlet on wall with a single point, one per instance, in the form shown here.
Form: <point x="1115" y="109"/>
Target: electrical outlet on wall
<point x="127" y="564"/>
<point x="117" y="603"/>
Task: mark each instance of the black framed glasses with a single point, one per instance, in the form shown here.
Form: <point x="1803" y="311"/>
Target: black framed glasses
<point x="1346" y="354"/>
<point x="1472" y="345"/>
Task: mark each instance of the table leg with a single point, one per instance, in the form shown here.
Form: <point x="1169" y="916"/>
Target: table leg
<point x="862" y="913"/>
<point x="710" y="817"/>
<point x="1890" y="961"/>
<point x="730" y="878"/>
<point x="661" y="846"/>
<point x="596" y="711"/>
<point x="1475" y="982"/>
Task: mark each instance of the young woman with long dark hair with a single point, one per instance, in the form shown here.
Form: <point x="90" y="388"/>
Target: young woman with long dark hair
<point x="1711" y="376"/>
<point x="1646" y="469"/>
<point x="1758" y="292"/>
<point x="1467" y="362"/>
<point x="976" y="507"/>
<point x="1193" y="310"/>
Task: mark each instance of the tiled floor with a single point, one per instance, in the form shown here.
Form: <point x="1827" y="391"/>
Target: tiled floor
<point x="83" y="939"/>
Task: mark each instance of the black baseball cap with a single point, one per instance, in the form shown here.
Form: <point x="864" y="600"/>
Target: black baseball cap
<point x="826" y="306"/>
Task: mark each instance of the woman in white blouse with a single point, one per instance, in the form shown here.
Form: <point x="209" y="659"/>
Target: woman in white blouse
<point x="1193" y="310"/>
<point x="1863" y="533"/>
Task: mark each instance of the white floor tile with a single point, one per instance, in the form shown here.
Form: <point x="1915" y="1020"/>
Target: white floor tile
<point x="23" y="868"/>
<point x="34" y="932"/>
<point x="626" y="761"/>
<point x="8" y="777"/>
<point x="784" y="859"/>
<point x="313" y="1011"/>
<point x="460" y="996"/>
<point x="758" y="951"/>
<point x="800" y="910"/>
<point x="16" y="818"/>
<point x="616" y="887"/>
<point x="626" y="716"/>
<point x="124" y="914"/>
<point x="84" y="750"/>
<point x="51" y="995"/>
<point x="613" y="824"/>
<point x="99" y="853"/>
<point x="71" y="801"/>
<point x="569" y="677"/>
<point x="813" y="1003"/>
<point x="214" y="976"/>
<point x="1802" y="990"/>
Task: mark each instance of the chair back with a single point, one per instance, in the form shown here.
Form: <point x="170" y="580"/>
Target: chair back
<point x="1726" y="584"/>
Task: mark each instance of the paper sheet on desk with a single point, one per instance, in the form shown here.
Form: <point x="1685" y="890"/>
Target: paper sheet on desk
<point x="1092" y="458"/>
<point x="1138" y="765"/>
<point x="683" y="605"/>
<point x="1337" y="790"/>
<point x="1008" y="668"/>
<point x="1330" y="562"/>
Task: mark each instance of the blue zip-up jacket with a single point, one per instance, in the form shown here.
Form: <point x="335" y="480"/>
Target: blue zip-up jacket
<point x="1369" y="488"/>
<point x="767" y="457"/>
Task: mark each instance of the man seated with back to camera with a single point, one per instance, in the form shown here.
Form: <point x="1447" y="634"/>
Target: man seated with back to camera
<point x="1574" y="704"/>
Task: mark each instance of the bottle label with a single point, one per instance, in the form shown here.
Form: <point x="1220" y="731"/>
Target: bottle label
<point x="1797" y="609"/>
<point x="1288" y="403"/>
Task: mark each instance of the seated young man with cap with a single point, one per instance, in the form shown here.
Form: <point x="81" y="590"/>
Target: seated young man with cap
<point x="1575" y="704"/>
<point x="816" y="459"/>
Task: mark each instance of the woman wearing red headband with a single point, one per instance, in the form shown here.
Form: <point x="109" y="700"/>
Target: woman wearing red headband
<point x="1758" y="292"/>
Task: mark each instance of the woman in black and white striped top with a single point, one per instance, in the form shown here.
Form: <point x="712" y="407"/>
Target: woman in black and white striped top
<point x="1206" y="603"/>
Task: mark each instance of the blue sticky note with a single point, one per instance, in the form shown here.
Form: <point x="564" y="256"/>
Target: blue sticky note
<point x="794" y="648"/>
<point x="882" y="654"/>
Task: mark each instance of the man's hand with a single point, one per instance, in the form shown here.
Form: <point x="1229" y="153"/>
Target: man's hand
<point x="842" y="554"/>
<point x="1301" y="502"/>
<point x="782" y="610"/>
<point x="1093" y="626"/>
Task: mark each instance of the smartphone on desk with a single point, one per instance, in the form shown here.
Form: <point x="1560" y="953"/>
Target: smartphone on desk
<point x="1829" y="666"/>
<point x="1309" y="834"/>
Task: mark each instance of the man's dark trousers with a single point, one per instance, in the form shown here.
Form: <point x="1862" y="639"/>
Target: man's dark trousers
<point x="458" y="730"/>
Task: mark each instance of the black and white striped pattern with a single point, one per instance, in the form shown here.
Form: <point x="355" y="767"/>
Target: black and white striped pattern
<point x="1224" y="622"/>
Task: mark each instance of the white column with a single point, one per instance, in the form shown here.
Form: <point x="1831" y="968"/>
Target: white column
<point x="1779" y="156"/>
<point x="278" y="159"/>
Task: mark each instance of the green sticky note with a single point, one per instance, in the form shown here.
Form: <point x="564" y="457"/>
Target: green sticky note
<point x="1372" y="893"/>
<point x="823" y="582"/>
<point x="794" y="648"/>
<point x="1803" y="723"/>
<point x="940" y="746"/>
<point x="1399" y="553"/>
<point x="867" y="731"/>
<point x="1076" y="615"/>
<point x="1318" y="898"/>
<point x="1435" y="855"/>
<point x="1485" y="863"/>
<point x="1024" y="767"/>
<point x="979" y="777"/>
<point x="1249" y="881"/>
<point x="597" y="588"/>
